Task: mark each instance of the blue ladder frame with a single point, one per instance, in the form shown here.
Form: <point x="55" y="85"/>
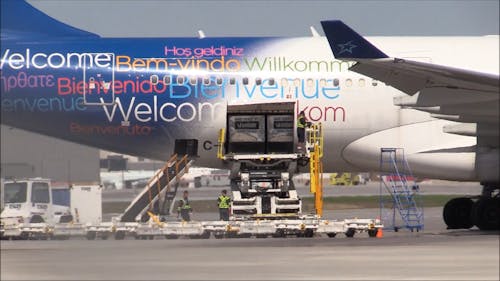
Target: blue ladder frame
<point x="396" y="178"/>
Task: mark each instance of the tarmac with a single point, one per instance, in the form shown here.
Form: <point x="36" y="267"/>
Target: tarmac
<point x="432" y="254"/>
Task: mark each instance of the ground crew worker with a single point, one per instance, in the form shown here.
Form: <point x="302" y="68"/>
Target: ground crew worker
<point x="184" y="208"/>
<point x="301" y="130"/>
<point x="224" y="202"/>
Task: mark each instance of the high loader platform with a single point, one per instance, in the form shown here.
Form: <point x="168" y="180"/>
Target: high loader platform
<point x="259" y="149"/>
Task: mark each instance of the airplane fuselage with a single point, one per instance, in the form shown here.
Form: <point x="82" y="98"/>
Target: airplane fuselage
<point x="137" y="96"/>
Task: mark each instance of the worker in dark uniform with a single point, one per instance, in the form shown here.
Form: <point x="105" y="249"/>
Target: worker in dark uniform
<point x="301" y="131"/>
<point x="184" y="209"/>
<point x="224" y="203"/>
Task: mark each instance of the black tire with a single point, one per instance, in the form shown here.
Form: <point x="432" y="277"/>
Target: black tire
<point x="36" y="219"/>
<point x="331" y="234"/>
<point x="66" y="219"/>
<point x="91" y="235"/>
<point x="350" y="233"/>
<point x="372" y="232"/>
<point x="261" y="235"/>
<point x="219" y="235"/>
<point x="309" y="233"/>
<point x="486" y="214"/>
<point x="24" y="236"/>
<point x="279" y="234"/>
<point x="457" y="213"/>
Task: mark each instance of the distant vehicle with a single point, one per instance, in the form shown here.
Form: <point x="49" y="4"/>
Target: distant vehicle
<point x="36" y="201"/>
<point x="216" y="178"/>
<point x="347" y="179"/>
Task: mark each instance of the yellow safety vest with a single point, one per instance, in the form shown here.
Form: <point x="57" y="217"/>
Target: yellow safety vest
<point x="300" y="123"/>
<point x="224" y="202"/>
<point x="185" y="205"/>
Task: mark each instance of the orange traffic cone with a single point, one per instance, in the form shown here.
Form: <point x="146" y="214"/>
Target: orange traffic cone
<point x="380" y="234"/>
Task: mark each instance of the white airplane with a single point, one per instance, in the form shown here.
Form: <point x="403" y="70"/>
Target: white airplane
<point x="436" y="97"/>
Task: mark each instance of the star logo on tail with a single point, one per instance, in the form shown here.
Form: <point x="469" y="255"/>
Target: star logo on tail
<point x="346" y="47"/>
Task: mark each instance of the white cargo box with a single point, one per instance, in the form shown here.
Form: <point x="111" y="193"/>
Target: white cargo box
<point x="86" y="203"/>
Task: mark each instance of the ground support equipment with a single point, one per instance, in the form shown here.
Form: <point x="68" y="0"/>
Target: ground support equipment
<point x="405" y="201"/>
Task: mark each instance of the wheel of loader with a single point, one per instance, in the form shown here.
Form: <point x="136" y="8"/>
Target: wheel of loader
<point x="280" y="233"/>
<point x="91" y="235"/>
<point x="331" y="234"/>
<point x="372" y="232"/>
<point x="350" y="232"/>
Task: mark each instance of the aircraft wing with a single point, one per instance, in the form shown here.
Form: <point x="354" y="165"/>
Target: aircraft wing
<point x="445" y="92"/>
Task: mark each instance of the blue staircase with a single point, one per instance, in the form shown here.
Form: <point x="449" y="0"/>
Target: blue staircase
<point x="404" y="207"/>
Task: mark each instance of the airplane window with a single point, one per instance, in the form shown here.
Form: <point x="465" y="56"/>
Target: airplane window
<point x="258" y="81"/>
<point x="232" y="81"/>
<point x="193" y="81"/>
<point x="374" y="83"/>
<point x="271" y="81"/>
<point x="322" y="82"/>
<point x="336" y="82"/>
<point x="361" y="82"/>
<point x="245" y="81"/>
<point x="166" y="79"/>
<point x="40" y="193"/>
<point x="218" y="81"/>
<point x="180" y="79"/>
<point x="348" y="82"/>
<point x="206" y="81"/>
<point x="153" y="79"/>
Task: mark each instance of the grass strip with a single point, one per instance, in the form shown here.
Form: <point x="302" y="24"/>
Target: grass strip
<point x="329" y="203"/>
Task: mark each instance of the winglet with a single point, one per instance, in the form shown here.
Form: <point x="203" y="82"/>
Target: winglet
<point x="346" y="43"/>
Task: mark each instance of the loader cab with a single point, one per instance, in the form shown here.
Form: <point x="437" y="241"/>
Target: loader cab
<point x="27" y="200"/>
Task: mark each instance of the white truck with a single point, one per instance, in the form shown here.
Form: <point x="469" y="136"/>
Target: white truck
<point x="32" y="207"/>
